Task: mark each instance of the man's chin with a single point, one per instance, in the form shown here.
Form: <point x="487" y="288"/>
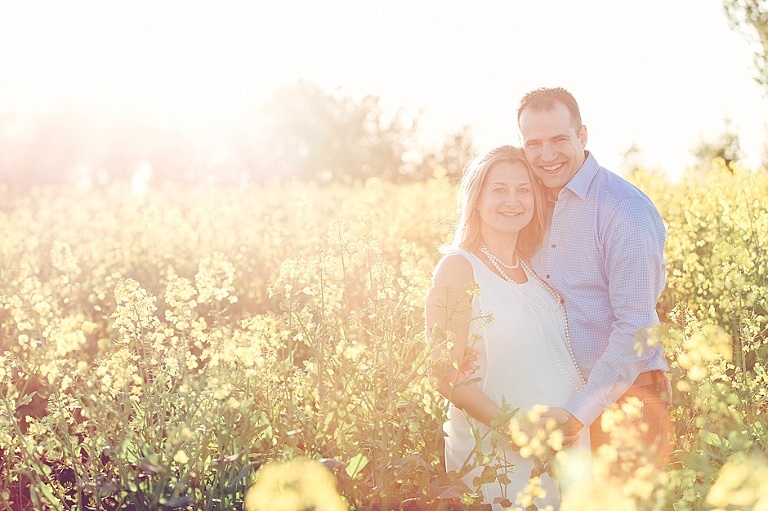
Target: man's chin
<point x="552" y="182"/>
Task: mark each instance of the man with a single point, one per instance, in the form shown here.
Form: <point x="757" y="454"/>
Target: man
<point x="604" y="253"/>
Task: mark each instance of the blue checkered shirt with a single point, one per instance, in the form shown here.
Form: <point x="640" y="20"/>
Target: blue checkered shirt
<point x="604" y="253"/>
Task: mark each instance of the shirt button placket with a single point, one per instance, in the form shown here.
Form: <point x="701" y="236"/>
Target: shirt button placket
<point x="555" y="228"/>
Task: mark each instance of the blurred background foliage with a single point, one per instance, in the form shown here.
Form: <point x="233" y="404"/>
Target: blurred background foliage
<point x="301" y="132"/>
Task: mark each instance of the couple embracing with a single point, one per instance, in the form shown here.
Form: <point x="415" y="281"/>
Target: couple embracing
<point x="541" y="301"/>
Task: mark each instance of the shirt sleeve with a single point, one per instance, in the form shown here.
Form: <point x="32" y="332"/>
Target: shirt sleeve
<point x="633" y="240"/>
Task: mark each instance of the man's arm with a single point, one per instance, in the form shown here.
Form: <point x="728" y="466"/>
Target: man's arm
<point x="633" y="247"/>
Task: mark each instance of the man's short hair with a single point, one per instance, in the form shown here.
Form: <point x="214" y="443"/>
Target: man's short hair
<point x="545" y="98"/>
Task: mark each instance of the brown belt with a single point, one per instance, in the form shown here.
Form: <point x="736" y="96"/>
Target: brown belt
<point x="649" y="378"/>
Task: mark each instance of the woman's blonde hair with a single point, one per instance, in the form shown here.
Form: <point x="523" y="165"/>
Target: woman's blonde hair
<point x="466" y="233"/>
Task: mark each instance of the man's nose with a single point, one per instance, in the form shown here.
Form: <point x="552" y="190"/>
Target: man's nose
<point x="548" y="152"/>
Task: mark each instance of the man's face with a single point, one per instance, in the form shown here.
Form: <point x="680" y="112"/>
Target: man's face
<point x="553" y="146"/>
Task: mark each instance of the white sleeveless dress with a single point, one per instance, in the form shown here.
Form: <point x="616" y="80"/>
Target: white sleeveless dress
<point x="522" y="357"/>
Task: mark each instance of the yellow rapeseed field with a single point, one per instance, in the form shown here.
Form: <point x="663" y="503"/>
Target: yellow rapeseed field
<point x="158" y="350"/>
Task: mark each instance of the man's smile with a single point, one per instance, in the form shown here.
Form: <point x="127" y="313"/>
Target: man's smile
<point x="551" y="168"/>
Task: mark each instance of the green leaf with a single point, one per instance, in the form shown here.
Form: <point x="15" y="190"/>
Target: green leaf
<point x="713" y="439"/>
<point x="25" y="399"/>
<point x="356" y="464"/>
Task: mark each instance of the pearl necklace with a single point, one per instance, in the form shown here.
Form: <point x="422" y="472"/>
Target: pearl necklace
<point x="561" y="305"/>
<point x="538" y="306"/>
<point x="496" y="262"/>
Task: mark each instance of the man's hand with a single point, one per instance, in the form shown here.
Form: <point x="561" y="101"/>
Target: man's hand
<point x="568" y="424"/>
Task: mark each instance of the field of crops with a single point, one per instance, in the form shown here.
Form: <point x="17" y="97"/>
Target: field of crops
<point x="171" y="349"/>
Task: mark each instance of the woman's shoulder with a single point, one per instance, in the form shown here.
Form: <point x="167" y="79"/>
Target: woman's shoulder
<point x="454" y="260"/>
<point x="454" y="267"/>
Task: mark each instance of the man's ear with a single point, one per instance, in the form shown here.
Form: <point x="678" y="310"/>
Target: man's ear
<point x="583" y="135"/>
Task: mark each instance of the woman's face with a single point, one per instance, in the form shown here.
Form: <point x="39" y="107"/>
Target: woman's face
<point x="505" y="202"/>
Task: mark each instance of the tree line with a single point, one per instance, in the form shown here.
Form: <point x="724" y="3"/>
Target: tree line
<point x="750" y="17"/>
<point x="302" y="131"/>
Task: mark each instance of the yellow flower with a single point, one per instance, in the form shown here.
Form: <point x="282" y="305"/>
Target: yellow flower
<point x="181" y="457"/>
<point x="741" y="483"/>
<point x="294" y="486"/>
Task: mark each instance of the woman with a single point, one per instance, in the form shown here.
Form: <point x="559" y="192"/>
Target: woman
<point x="505" y="329"/>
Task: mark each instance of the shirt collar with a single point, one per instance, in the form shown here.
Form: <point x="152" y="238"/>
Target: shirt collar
<point x="579" y="183"/>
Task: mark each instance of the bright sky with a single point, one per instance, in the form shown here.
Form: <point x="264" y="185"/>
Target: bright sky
<point x="660" y="74"/>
